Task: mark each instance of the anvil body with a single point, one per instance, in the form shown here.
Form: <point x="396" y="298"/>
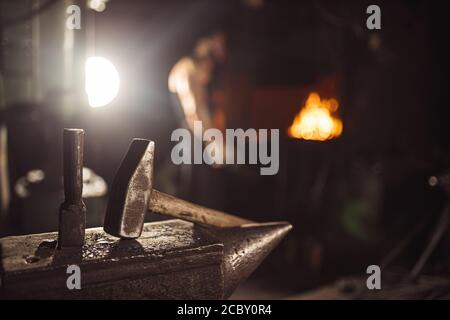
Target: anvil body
<point x="172" y="259"/>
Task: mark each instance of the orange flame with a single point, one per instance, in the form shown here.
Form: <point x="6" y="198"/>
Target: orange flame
<point x="315" y="120"/>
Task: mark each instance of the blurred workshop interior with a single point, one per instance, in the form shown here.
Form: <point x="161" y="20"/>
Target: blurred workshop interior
<point x="366" y="184"/>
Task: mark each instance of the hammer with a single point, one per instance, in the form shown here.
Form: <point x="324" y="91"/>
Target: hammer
<point x="132" y="194"/>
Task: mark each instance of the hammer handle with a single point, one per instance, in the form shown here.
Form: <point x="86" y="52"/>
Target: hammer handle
<point x="168" y="205"/>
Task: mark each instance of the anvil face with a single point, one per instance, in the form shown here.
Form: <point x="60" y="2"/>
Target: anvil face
<point x="131" y="190"/>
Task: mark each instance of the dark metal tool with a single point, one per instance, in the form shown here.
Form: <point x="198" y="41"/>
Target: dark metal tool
<point x="72" y="213"/>
<point x="132" y="194"/>
<point x="173" y="259"/>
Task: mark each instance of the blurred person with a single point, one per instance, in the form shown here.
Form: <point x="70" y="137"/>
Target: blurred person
<point x="192" y="81"/>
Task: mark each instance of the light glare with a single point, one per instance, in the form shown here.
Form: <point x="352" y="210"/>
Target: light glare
<point x="97" y="5"/>
<point x="102" y="81"/>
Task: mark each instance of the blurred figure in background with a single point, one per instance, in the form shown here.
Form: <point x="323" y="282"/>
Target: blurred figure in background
<point x="192" y="78"/>
<point x="192" y="81"/>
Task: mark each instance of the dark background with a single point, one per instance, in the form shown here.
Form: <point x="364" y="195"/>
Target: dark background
<point x="350" y="199"/>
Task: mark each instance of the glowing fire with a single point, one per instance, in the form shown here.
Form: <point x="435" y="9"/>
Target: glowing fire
<point x="315" y="121"/>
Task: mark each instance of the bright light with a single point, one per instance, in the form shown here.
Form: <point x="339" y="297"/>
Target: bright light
<point x="97" y="5"/>
<point x="316" y="121"/>
<point x="102" y="81"/>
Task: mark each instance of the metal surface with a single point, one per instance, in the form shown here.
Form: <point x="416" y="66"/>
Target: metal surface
<point x="72" y="213"/>
<point x="246" y="247"/>
<point x="130" y="191"/>
<point x="132" y="194"/>
<point x="172" y="259"/>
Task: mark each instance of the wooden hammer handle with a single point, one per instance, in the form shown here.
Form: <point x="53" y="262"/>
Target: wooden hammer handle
<point x="168" y="205"/>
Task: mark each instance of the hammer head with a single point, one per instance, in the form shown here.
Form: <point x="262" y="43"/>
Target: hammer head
<point x="130" y="191"/>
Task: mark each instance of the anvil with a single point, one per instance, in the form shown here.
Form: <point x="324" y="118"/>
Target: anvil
<point x="173" y="259"/>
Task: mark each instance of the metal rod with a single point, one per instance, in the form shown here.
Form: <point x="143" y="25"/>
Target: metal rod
<point x="72" y="214"/>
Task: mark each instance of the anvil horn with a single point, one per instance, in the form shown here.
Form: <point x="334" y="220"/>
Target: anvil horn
<point x="246" y="247"/>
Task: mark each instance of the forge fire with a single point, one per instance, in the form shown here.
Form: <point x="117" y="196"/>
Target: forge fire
<point x="315" y="121"/>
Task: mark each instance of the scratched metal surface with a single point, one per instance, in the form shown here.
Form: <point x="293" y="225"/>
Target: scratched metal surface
<point x="114" y="268"/>
<point x="130" y="191"/>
